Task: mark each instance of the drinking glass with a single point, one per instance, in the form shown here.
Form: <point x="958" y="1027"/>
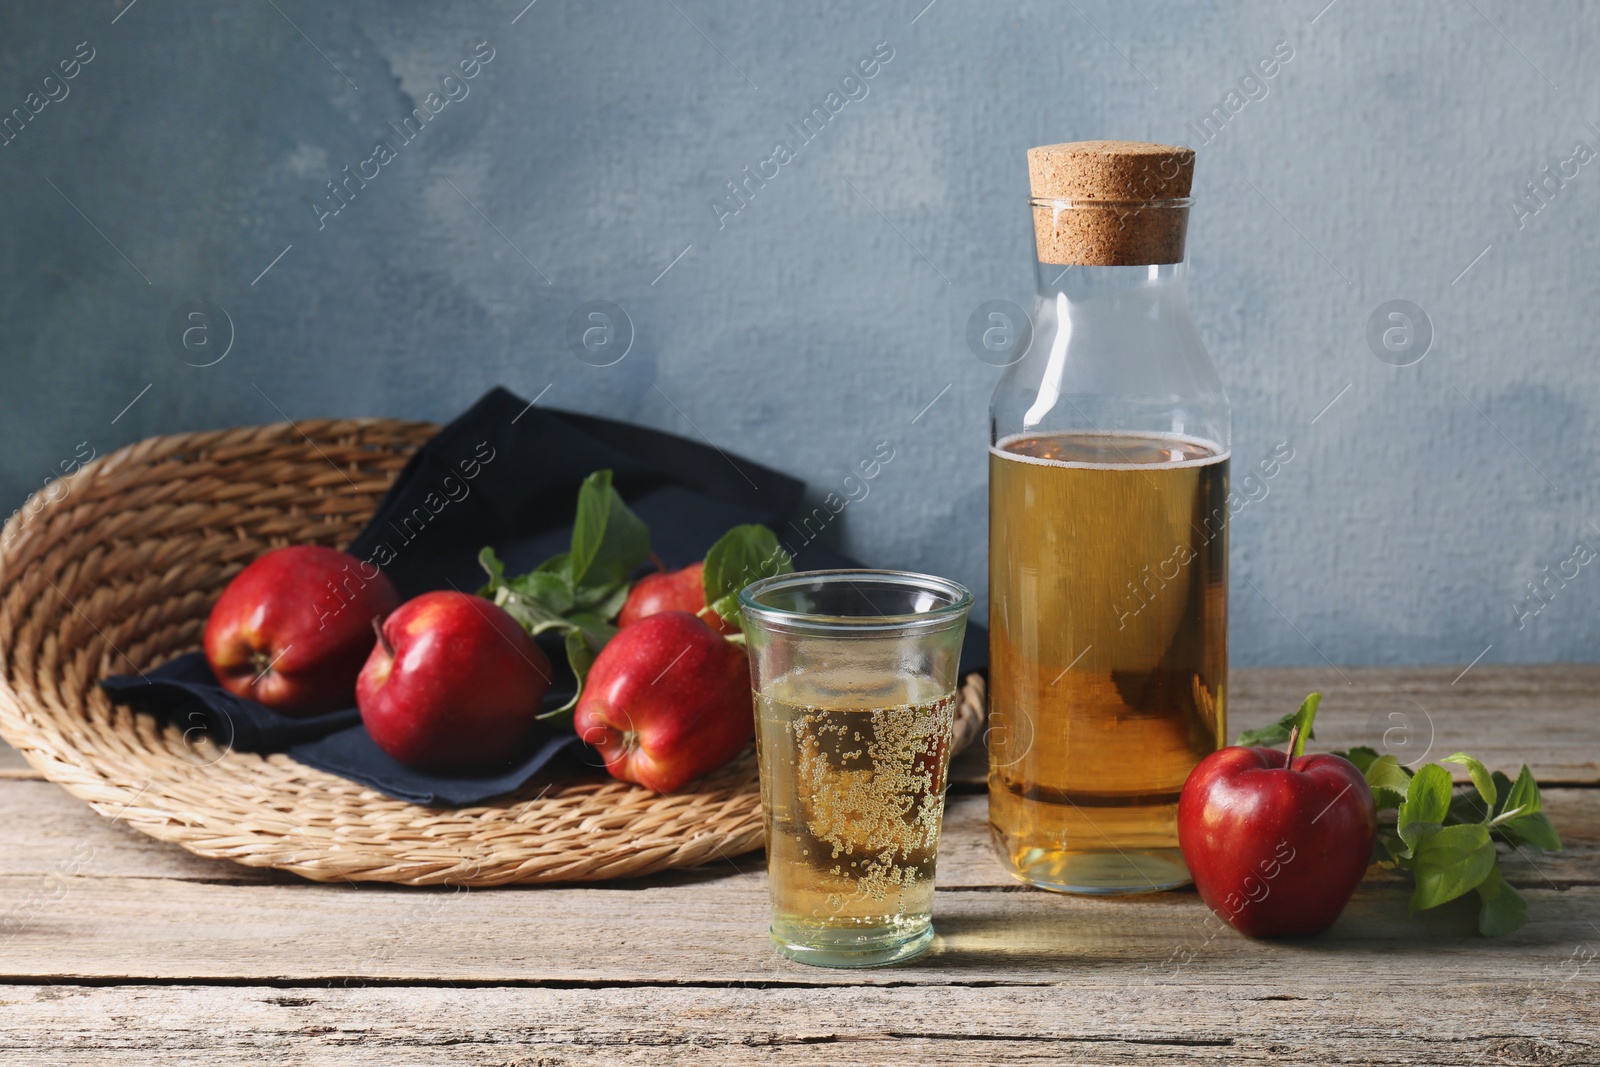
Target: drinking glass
<point x="855" y="674"/>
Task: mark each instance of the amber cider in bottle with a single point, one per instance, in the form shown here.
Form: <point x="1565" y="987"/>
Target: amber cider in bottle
<point x="1107" y="650"/>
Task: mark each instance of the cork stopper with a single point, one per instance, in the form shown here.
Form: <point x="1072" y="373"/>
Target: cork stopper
<point x="1132" y="224"/>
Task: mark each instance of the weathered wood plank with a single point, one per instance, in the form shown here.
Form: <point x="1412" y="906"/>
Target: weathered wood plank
<point x="70" y="926"/>
<point x="43" y="830"/>
<point x="12" y="765"/>
<point x="1545" y="716"/>
<point x="1083" y="1020"/>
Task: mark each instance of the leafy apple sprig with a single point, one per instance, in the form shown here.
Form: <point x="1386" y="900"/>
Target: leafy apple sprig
<point x="1444" y="839"/>
<point x="578" y="593"/>
<point x="742" y="555"/>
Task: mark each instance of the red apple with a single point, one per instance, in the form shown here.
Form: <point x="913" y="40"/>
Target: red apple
<point x="453" y="684"/>
<point x="1276" y="848"/>
<point x="681" y="590"/>
<point x="293" y="628"/>
<point x="667" y="700"/>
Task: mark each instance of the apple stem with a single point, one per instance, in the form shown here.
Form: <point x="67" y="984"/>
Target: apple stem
<point x="1294" y="739"/>
<point x="661" y="568"/>
<point x="383" y="642"/>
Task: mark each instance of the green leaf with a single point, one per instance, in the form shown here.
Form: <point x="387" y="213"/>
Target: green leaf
<point x="1427" y="795"/>
<point x="1524" y="794"/>
<point x="529" y="614"/>
<point x="496" y="570"/>
<point x="1268" y="736"/>
<point x="604" y="601"/>
<point x="1278" y="732"/>
<point x="1466" y="806"/>
<point x="1426" y="805"/>
<point x="1446" y="838"/>
<point x="1384" y="799"/>
<point x="583" y="642"/>
<point x="1481" y="779"/>
<point x="1389" y="781"/>
<point x="1450" y="862"/>
<point x="743" y="555"/>
<point x="1303" y="719"/>
<point x="595" y="630"/>
<point x="557" y="564"/>
<point x="1535" y="830"/>
<point x="1502" y="788"/>
<point x="1362" y="756"/>
<point x="537" y="600"/>
<point x="577" y="592"/>
<point x="1501" y="909"/>
<point x="581" y="658"/>
<point x="608" y="540"/>
<point x="552" y="592"/>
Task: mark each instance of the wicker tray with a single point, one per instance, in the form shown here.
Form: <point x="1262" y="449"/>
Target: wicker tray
<point x="118" y="572"/>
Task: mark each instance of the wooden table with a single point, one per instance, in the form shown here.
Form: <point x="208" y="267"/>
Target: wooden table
<point x="116" y="949"/>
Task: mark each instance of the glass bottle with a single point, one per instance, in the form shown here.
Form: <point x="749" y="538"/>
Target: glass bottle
<point x="1108" y="533"/>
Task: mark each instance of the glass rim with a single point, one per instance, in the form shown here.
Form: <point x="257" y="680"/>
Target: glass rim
<point x="1074" y="203"/>
<point x="960" y="602"/>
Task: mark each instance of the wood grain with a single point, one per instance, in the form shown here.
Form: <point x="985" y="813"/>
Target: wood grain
<point x="1547" y="717"/>
<point x="77" y="928"/>
<point x="12" y="765"/>
<point x="1076" y="1020"/>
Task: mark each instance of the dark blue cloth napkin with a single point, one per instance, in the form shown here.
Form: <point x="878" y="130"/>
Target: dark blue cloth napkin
<point x="186" y="692"/>
<point x="504" y="474"/>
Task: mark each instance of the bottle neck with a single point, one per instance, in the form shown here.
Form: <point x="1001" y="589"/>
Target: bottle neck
<point x="1113" y="349"/>
<point x="1127" y="287"/>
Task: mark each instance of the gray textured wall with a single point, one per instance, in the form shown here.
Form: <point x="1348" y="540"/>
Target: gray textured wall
<point x="1384" y="159"/>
